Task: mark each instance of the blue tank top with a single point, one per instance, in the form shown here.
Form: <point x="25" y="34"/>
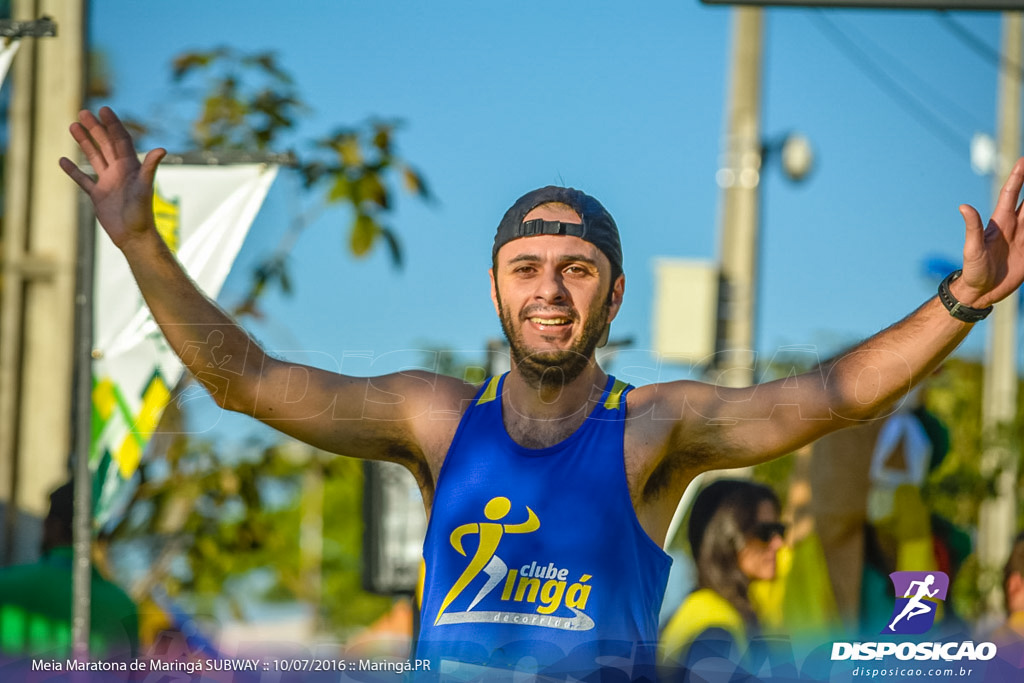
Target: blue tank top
<point x="534" y="558"/>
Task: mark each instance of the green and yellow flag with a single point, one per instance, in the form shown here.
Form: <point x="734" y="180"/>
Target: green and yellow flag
<point x="203" y="213"/>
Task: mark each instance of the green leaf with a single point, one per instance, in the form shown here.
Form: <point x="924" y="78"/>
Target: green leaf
<point x="349" y="150"/>
<point x="394" y="247"/>
<point x="414" y="182"/>
<point x="312" y="172"/>
<point x="286" y="281"/>
<point x="382" y="137"/>
<point x="364" y="232"/>
<point x="187" y="61"/>
<point x="267" y="62"/>
<point x="340" y="190"/>
<point x="264" y="136"/>
<point x="371" y="189"/>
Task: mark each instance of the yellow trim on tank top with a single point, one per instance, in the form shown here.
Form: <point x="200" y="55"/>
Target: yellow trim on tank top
<point x="614" y="400"/>
<point x="491" y="392"/>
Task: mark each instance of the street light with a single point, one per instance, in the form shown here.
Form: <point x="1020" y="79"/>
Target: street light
<point x="797" y="157"/>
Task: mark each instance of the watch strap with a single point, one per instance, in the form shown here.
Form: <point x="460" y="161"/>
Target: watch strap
<point x="959" y="310"/>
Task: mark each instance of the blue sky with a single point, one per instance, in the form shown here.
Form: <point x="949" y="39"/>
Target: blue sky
<point x="622" y="100"/>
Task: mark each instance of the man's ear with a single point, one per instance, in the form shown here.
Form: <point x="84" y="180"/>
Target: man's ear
<point x="494" y="291"/>
<point x="615" y="300"/>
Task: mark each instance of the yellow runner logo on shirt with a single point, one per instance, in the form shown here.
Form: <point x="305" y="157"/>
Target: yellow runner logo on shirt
<point x="529" y="587"/>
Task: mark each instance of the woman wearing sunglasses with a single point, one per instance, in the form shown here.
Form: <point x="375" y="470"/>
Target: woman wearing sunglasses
<point x="734" y="534"/>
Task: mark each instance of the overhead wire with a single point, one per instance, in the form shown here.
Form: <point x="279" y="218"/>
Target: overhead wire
<point x="976" y="44"/>
<point x="878" y="74"/>
<point x="930" y="93"/>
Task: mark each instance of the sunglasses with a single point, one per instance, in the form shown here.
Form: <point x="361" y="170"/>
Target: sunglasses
<point x="766" y="531"/>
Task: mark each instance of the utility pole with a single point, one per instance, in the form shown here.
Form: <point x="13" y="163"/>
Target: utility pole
<point x="997" y="517"/>
<point x="740" y="177"/>
<point x="38" y="270"/>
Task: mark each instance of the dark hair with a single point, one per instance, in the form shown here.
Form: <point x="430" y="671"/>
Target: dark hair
<point x="721" y="520"/>
<point x="62" y="504"/>
<point x="57" y="527"/>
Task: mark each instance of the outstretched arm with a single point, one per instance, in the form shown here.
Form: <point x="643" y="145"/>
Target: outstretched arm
<point x="739" y="427"/>
<point x="367" y="417"/>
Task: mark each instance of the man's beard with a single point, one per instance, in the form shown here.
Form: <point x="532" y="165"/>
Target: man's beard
<point x="552" y="369"/>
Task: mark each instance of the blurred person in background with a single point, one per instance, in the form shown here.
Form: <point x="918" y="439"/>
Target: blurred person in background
<point x="1012" y="630"/>
<point x="36" y="599"/>
<point x="735" y="535"/>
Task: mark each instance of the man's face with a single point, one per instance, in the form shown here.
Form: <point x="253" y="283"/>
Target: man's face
<point x="554" y="297"/>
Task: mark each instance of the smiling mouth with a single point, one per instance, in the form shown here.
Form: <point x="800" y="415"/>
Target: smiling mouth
<point x="549" y="322"/>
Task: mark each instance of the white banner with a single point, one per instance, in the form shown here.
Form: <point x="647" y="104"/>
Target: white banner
<point x="7" y="52"/>
<point x="203" y="213"/>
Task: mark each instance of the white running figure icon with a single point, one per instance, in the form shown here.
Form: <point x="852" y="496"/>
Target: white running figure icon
<point x="915" y="606"/>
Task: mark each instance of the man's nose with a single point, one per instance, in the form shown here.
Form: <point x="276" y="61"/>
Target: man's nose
<point x="551" y="286"/>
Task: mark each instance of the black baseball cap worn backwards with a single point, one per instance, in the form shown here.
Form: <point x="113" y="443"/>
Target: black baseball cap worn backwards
<point x="597" y="226"/>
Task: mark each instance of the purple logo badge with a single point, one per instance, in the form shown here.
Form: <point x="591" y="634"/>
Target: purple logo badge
<point x="917" y="598"/>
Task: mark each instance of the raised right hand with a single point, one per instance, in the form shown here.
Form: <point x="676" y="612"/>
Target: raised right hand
<point x="122" y="192"/>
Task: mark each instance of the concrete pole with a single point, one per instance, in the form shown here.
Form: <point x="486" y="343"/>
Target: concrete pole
<point x="41" y="224"/>
<point x="16" y="270"/>
<point x="740" y="177"/>
<point x="998" y="515"/>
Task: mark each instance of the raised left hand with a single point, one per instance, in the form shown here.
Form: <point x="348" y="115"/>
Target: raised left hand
<point x="994" y="254"/>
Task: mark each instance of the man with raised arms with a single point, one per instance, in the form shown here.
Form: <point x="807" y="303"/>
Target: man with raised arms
<point x="584" y="495"/>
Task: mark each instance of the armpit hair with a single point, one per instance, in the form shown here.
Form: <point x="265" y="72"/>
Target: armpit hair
<point x="698" y="456"/>
<point x="410" y="456"/>
<point x="397" y="449"/>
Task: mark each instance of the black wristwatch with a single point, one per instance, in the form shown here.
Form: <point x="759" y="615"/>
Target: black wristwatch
<point x="956" y="309"/>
